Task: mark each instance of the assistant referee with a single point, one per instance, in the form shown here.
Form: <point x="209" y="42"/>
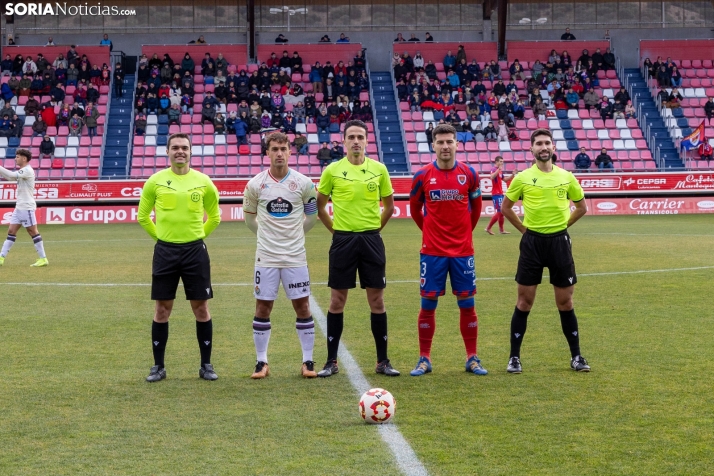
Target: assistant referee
<point x="546" y="191"/>
<point x="356" y="184"/>
<point x="180" y="196"/>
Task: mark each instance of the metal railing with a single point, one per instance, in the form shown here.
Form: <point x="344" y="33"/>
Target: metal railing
<point x="399" y="115"/>
<point x="377" y="133"/>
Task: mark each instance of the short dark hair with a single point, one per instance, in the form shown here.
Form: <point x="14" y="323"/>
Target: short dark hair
<point x="277" y="137"/>
<point x="540" y="132"/>
<point x="355" y="123"/>
<point x="443" y="129"/>
<point x="497" y="158"/>
<point x="25" y="153"/>
<point x="178" y="135"/>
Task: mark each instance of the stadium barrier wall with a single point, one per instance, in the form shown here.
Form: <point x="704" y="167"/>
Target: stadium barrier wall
<point x="539" y="50"/>
<point x="677" y="49"/>
<point x="96" y="54"/>
<point x="436" y="51"/>
<point x="98" y="214"/>
<point x="235" y="54"/>
<point x="312" y="52"/>
<point x="648" y="183"/>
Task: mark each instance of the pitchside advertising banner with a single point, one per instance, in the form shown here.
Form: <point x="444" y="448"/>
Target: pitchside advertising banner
<point x="593" y="184"/>
<point x="89" y="214"/>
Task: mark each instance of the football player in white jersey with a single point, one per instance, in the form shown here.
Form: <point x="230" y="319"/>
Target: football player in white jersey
<point x="280" y="206"/>
<point x="24" y="213"/>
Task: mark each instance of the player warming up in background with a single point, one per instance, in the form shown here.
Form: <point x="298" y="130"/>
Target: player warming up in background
<point x="180" y="196"/>
<point x="24" y="213"/>
<point x="450" y="194"/>
<point x="280" y="207"/>
<point x="497" y="179"/>
<point x="546" y="191"/>
<point x="356" y="184"/>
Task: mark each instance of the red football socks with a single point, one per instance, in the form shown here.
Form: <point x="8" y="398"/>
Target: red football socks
<point x="469" y="329"/>
<point x="427" y="327"/>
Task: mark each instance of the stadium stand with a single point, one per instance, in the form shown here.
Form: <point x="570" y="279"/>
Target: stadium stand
<point x="220" y="155"/>
<point x="693" y="60"/>
<point x="571" y="129"/>
<point x="74" y="157"/>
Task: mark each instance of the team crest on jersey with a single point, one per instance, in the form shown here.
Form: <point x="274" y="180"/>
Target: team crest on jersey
<point x="461" y="179"/>
<point x="292" y="186"/>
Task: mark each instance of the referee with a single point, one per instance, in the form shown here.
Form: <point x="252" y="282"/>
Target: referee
<point x="180" y="197"/>
<point x="356" y="184"/>
<point x="546" y="191"/>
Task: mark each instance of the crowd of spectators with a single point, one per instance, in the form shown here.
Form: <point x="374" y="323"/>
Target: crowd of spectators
<point x="60" y="92"/>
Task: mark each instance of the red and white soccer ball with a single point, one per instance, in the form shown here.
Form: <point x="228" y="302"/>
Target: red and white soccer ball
<point x="377" y="406"/>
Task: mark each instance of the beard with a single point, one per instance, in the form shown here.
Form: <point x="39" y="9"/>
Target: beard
<point x="541" y="158"/>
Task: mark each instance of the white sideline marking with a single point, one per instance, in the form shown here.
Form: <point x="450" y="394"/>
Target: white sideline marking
<point x="406" y="459"/>
<point x="501" y="278"/>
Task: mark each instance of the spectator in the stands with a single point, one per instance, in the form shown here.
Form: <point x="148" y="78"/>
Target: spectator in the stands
<point x="175" y="114"/>
<point x="201" y="40"/>
<point x="164" y="104"/>
<point x="622" y="95"/>
<point x="325" y="39"/>
<point x="322" y="121"/>
<point x="540" y="109"/>
<point x="618" y="110"/>
<point x="604" y="161"/>
<point x="152" y="103"/>
<point x="187" y="64"/>
<point x="337" y="152"/>
<point x="461" y="54"/>
<point x="316" y="77"/>
<point x="499" y="89"/>
<point x="492" y="71"/>
<point x="399" y="38"/>
<point x="675" y="77"/>
<point x="17" y="124"/>
<point x="324" y="154"/>
<point x="591" y="99"/>
<point x="516" y="70"/>
<point x="606" y="108"/>
<point x="598" y="59"/>
<point x="6" y="65"/>
<point x="91" y="118"/>
<point x="289" y="122"/>
<point x="519" y="109"/>
<point x="296" y="63"/>
<point x="608" y="60"/>
<point x="705" y="151"/>
<point x="582" y="160"/>
<point x="418" y="61"/>
<point x="674" y="101"/>
<point x="709" y="109"/>
<point x="663" y="78"/>
<point x="285" y="62"/>
<point x="75" y="126"/>
<point x="300" y="143"/>
<point x="343" y="39"/>
<point x="630" y="112"/>
<point x="25" y="85"/>
<point x="140" y="104"/>
<point x="490" y="133"/>
<point x="414" y="38"/>
<point x="572" y="99"/>
<point x="64" y="115"/>
<point x="567" y="36"/>
<point x="219" y="123"/>
<point x="47" y="147"/>
<point x="142" y="74"/>
<point x="208" y="113"/>
<point x="29" y="66"/>
<point x="32" y="106"/>
<point x="449" y="60"/>
<point x="6" y="126"/>
<point x="503" y="131"/>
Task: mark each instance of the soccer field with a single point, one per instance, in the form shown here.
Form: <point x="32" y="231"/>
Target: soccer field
<point x="75" y="347"/>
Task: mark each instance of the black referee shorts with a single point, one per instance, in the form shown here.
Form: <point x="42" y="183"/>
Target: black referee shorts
<point x="353" y="252"/>
<point x="186" y="261"/>
<point x="540" y="251"/>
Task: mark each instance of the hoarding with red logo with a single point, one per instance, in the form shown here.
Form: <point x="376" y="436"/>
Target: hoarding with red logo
<point x="232" y="189"/>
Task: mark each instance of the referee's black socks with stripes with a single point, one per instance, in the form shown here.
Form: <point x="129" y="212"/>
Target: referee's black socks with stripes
<point x="335" y="323"/>
<point x="569" y="323"/>
<point x="379" y="331"/>
<point x="159" y="336"/>
<point x="204" y="334"/>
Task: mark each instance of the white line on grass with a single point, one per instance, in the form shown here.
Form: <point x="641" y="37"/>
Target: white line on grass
<point x="501" y="278"/>
<point x="407" y="460"/>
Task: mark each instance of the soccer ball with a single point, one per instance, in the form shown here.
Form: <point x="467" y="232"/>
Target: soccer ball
<point x="377" y="406"/>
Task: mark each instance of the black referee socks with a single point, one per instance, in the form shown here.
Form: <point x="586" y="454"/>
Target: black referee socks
<point x="335" y="323"/>
<point x="159" y="336"/>
<point x="204" y="334"/>
<point x="379" y="331"/>
<point x="569" y="323"/>
<point x="519" y="322"/>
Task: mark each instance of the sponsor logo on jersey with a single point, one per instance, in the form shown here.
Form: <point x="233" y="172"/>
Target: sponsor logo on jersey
<point x="445" y="195"/>
<point x="561" y="193"/>
<point x="195" y="197"/>
<point x="371" y="186"/>
<point x="279" y="208"/>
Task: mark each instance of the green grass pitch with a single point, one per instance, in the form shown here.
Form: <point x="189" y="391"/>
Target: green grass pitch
<point x="74" y="356"/>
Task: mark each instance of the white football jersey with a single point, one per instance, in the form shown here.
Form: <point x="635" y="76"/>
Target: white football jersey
<point x="281" y="206"/>
<point x="25" y="178"/>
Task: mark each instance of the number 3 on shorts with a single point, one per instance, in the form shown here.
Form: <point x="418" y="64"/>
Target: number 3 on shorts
<point x="423" y="269"/>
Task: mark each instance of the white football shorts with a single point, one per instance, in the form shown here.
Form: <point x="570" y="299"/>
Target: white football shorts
<point x="296" y="282"/>
<point x="25" y="218"/>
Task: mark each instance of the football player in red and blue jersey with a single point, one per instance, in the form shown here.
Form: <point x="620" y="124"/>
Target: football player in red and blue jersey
<point x="446" y="205"/>
<point x="497" y="179"/>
